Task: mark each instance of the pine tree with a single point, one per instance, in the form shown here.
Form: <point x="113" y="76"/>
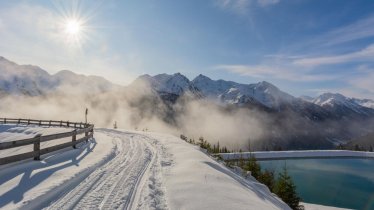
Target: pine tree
<point x="241" y="162"/>
<point x="286" y="190"/>
<point x="253" y="167"/>
<point x="201" y="141"/>
<point x="267" y="178"/>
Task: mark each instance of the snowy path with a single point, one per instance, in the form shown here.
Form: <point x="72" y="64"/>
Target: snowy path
<point x="116" y="185"/>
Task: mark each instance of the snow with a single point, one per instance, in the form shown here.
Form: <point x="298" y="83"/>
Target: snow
<point x="195" y="181"/>
<point x="33" y="81"/>
<point x="174" y="84"/>
<point x="298" y="154"/>
<point x="234" y="93"/>
<point x="219" y="90"/>
<point x="309" y="206"/>
<point x="335" y="99"/>
<point x="137" y="170"/>
<point x="10" y="132"/>
<point x="33" y="184"/>
<point x="364" y="102"/>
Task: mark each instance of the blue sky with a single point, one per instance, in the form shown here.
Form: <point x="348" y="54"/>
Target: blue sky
<point x="305" y="47"/>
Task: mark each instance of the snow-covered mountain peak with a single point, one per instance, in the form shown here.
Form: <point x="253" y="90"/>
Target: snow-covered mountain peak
<point x="364" y="102"/>
<point x="201" y="78"/>
<point x="173" y="84"/>
<point x="265" y="84"/>
<point x="337" y="101"/>
<point x="330" y="99"/>
<point x="263" y="92"/>
<point x="33" y="80"/>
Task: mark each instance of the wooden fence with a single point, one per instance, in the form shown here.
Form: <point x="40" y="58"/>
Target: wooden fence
<point x="79" y="128"/>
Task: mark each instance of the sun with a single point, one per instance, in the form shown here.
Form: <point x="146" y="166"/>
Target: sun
<point x="74" y="31"/>
<point x="73" y="27"/>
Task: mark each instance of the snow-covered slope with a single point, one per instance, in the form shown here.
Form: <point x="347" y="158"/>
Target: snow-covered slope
<point x="364" y="102"/>
<point x="130" y="170"/>
<point x="340" y="103"/>
<point x="234" y="93"/>
<point x="32" y="80"/>
<point x="228" y="92"/>
<point x="173" y="84"/>
<point x="22" y="79"/>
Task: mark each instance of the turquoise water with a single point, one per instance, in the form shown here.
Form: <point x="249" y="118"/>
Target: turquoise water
<point x="347" y="183"/>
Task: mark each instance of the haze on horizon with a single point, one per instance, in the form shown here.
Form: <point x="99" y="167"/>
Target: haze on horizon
<point x="303" y="47"/>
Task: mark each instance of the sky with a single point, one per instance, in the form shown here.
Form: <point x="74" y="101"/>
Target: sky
<point x="305" y="47"/>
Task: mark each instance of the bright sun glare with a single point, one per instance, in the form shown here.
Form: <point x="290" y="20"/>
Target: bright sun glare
<point x="72" y="27"/>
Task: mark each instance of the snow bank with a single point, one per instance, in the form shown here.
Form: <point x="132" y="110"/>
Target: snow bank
<point x="12" y="132"/>
<point x="272" y="155"/>
<point x="30" y="184"/>
<point x="309" y="206"/>
<point x="193" y="180"/>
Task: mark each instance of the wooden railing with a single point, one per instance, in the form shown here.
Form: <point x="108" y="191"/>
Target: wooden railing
<point x="79" y="128"/>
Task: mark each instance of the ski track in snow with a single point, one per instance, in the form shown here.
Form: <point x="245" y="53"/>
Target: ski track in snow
<point x="128" y="181"/>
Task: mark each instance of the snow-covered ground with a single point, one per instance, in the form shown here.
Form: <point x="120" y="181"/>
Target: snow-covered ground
<point x="130" y="170"/>
<point x="309" y="206"/>
<point x="10" y="132"/>
<point x="298" y="154"/>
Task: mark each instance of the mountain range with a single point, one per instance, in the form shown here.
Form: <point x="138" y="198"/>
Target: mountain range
<point x="262" y="94"/>
<point x="325" y="120"/>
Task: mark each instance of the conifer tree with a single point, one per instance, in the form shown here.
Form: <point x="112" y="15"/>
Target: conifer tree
<point x="267" y="178"/>
<point x="241" y="162"/>
<point x="253" y="167"/>
<point x="286" y="190"/>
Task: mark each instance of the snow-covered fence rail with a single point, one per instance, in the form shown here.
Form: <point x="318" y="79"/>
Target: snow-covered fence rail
<point x="298" y="154"/>
<point x="79" y="128"/>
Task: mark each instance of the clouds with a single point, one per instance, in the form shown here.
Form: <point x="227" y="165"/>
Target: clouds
<point x="265" y="3"/>
<point x="365" y="54"/>
<point x="359" y="29"/>
<point x="288" y="73"/>
<point x="242" y="7"/>
<point x="332" y="57"/>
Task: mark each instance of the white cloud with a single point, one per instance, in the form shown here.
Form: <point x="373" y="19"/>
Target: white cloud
<point x="365" y="54"/>
<point x="242" y="6"/>
<point x="358" y="30"/>
<point x="237" y="6"/>
<point x="265" y="3"/>
<point x="267" y="71"/>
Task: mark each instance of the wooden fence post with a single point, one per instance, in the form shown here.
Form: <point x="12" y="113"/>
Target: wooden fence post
<point x="74" y="138"/>
<point x="61" y="123"/>
<point x="67" y="123"/>
<point x="86" y="134"/>
<point x="4" y="120"/>
<point x="37" y="147"/>
<point x="50" y="122"/>
<point x="19" y="121"/>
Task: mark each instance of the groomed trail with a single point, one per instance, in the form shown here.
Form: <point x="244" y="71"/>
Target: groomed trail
<point x="118" y="183"/>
